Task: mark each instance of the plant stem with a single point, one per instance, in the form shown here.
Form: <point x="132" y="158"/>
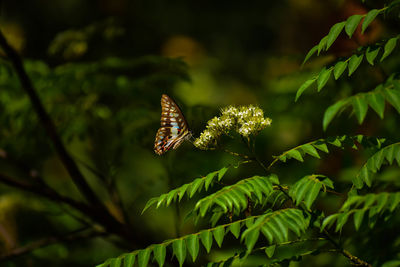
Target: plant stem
<point x="48" y="124"/>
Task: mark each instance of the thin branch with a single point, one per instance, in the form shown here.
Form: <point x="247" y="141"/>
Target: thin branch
<point x="48" y="124"/>
<point x="74" y="236"/>
<point x="46" y="192"/>
<point x="354" y="259"/>
<point x="110" y="224"/>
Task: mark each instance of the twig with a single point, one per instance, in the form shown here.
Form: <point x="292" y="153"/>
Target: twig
<point x="74" y="236"/>
<point x="110" y="223"/>
<point x="236" y="154"/>
<point x="46" y="192"/>
<point x="48" y="124"/>
<point x="354" y="260"/>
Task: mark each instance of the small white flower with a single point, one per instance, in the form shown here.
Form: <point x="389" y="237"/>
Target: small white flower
<point x="246" y="120"/>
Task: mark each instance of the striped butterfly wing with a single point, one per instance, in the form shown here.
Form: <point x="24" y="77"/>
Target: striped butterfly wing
<point x="174" y="128"/>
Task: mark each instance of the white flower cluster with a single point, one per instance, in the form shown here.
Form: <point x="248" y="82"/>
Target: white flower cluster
<point x="246" y="120"/>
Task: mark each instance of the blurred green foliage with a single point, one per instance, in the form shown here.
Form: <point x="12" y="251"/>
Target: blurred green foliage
<point x="100" y="68"/>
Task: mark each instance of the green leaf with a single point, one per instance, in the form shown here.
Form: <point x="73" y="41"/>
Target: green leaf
<point x="116" y="262"/>
<point x="182" y="191"/>
<point x="352" y="23"/>
<point x="341" y="221"/>
<point x="303" y="87"/>
<point x="234" y="197"/>
<point x="323" y="78"/>
<point x="280" y="229"/>
<point x="295" y="154"/>
<point x="309" y="149"/>
<point x="329" y="221"/>
<point x="206" y="240"/>
<point x="179" y="248"/>
<point x="150" y="203"/>
<point x="251" y="239"/>
<point x="159" y="252"/>
<point x="358" y="217"/>
<point x="195" y="186"/>
<point x="219" y="234"/>
<point x="293" y="191"/>
<point x="371" y="15"/>
<point x="389" y="46"/>
<point x="192" y="244"/>
<point x="170" y="196"/>
<point x="354" y="62"/>
<point x="393" y="97"/>
<point x="143" y="257"/>
<point x="273" y="178"/>
<point x="235" y="229"/>
<point x="321" y="146"/>
<point x="222" y="172"/>
<point x="322" y="44"/>
<point x="312" y="194"/>
<point x="360" y="106"/>
<point x="331" y="111"/>
<point x="340" y="67"/>
<point x="161" y="200"/>
<point x="300" y="190"/>
<point x="310" y="53"/>
<point x="328" y="182"/>
<point x="270" y="250"/>
<point x="382" y="200"/>
<point x="374" y="164"/>
<point x="208" y="180"/>
<point x="334" y="33"/>
<point x="371" y="54"/>
<point x="129" y="260"/>
<point x="377" y="102"/>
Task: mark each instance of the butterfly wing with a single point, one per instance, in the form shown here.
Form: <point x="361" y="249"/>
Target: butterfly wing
<point x="174" y="128"/>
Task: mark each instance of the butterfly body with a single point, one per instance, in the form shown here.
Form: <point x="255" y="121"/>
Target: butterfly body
<point x="174" y="128"/>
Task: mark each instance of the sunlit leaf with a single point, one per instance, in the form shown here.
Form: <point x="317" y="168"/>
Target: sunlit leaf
<point x="310" y="53"/>
<point x="219" y="234"/>
<point x="179" y="248"/>
<point x="389" y="46"/>
<point x="129" y="260"/>
<point x="235" y="229"/>
<point x="303" y="87"/>
<point x="115" y="262"/>
<point x="251" y="239"/>
<point x="393" y="97"/>
<point x="354" y="62"/>
<point x="143" y="257"/>
<point x="192" y="244"/>
<point x="159" y="252"/>
<point x="334" y="33"/>
<point x="352" y="23"/>
<point x="206" y="240"/>
<point x="331" y="112"/>
<point x="360" y="108"/>
<point x="270" y="250"/>
<point x="371" y="15"/>
<point x="340" y="67"/>
<point x="377" y="102"/>
<point x="323" y="78"/>
<point x="371" y="54"/>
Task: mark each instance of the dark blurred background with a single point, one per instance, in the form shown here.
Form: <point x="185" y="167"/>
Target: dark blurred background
<point x="100" y="68"/>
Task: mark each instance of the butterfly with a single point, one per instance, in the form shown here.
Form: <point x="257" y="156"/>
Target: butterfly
<point x="174" y="128"/>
